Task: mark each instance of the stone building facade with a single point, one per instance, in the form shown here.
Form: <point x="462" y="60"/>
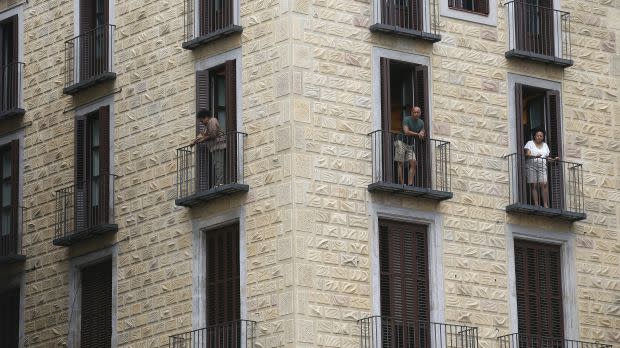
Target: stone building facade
<point x="306" y="189"/>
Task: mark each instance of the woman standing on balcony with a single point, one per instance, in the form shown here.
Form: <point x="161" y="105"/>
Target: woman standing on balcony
<point x="215" y="140"/>
<point x="537" y="153"/>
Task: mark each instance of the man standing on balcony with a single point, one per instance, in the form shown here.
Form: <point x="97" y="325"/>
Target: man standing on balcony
<point x="213" y="136"/>
<point x="413" y="127"/>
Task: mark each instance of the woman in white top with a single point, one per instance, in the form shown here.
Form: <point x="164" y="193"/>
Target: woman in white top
<point x="537" y="154"/>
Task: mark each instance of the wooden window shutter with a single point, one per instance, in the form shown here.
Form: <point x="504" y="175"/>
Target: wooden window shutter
<point x="403" y="258"/>
<point x="481" y="6"/>
<point x="422" y="149"/>
<point x="81" y="173"/>
<point x="232" y="138"/>
<point x="14" y="190"/>
<point x="85" y="44"/>
<point x="96" y="306"/>
<point x="9" y="318"/>
<point x="223" y="289"/>
<point x="416" y="15"/>
<point x="202" y="102"/>
<point x="554" y="141"/>
<point x="106" y="179"/>
<point x="519" y="118"/>
<point x="539" y="290"/>
<point x="386" y="122"/>
<point x="203" y="15"/>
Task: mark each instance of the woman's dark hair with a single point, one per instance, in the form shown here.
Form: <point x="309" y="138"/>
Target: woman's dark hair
<point x="536" y="130"/>
<point x="202" y="113"/>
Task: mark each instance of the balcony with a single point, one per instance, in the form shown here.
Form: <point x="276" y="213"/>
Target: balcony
<point x="563" y="181"/>
<point x="407" y="18"/>
<point x="208" y="23"/>
<point x="210" y="170"/>
<point x="517" y="340"/>
<point x="89" y="59"/>
<point x="538" y="33"/>
<point x="10" y="241"/>
<point x="432" y="177"/>
<point x="234" y="334"/>
<point x="11" y="89"/>
<point x="381" y="332"/>
<point x="85" y="210"/>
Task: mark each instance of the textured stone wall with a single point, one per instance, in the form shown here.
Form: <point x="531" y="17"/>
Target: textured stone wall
<point x="307" y="105"/>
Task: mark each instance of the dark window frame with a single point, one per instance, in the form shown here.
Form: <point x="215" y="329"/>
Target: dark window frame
<point x="10" y="66"/>
<point x="95" y="36"/>
<point x="97" y="211"/>
<point x="9" y="239"/>
<point x="206" y="94"/>
<point x="479" y="7"/>
<point x="215" y="15"/>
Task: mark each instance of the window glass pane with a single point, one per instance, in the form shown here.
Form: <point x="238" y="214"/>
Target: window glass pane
<point x="95" y="132"/>
<point x="6" y="221"/>
<point x="6" y="164"/>
<point x="95" y="163"/>
<point x="6" y="194"/>
<point x="94" y="201"/>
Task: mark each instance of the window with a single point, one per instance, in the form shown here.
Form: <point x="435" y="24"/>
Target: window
<point x="403" y="264"/>
<point x="96" y="305"/>
<point x="92" y="168"/>
<point x="223" y="296"/>
<point x="11" y="69"/>
<point x="475" y="6"/>
<point x="402" y="85"/>
<point x="538" y="108"/>
<point x="216" y="91"/>
<point x="534" y="26"/>
<point x="539" y="291"/>
<point x="94" y="39"/>
<point x="9" y="318"/>
<point x="9" y="168"/>
<point x="411" y="18"/>
<point x="215" y="15"/>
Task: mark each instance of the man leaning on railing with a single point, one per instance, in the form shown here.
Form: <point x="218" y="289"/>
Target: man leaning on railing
<point x="413" y="126"/>
<point x="215" y="139"/>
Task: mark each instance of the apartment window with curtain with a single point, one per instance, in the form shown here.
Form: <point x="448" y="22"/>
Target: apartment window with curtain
<point x="474" y="6"/>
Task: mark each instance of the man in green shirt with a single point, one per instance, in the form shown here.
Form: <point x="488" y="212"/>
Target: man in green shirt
<point x="413" y="127"/>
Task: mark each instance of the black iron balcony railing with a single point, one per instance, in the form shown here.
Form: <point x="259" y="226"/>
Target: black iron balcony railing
<point x="517" y="340"/>
<point x="211" y="20"/>
<point x="538" y="33"/>
<point x="234" y="334"/>
<point x="408" y="18"/>
<point x="387" y="332"/>
<point x="89" y="59"/>
<point x="546" y="187"/>
<point x="85" y="210"/>
<point x="11" y="89"/>
<point x="210" y="169"/>
<point x="10" y="237"/>
<point x="430" y="177"/>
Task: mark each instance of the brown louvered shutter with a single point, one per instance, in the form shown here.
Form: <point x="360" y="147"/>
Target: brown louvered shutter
<point x="384" y="139"/>
<point x="519" y="162"/>
<point x="481" y="6"/>
<point x="415" y="21"/>
<point x="422" y="148"/>
<point x="231" y="122"/>
<point x="202" y="102"/>
<point x="81" y="172"/>
<point x="9" y="318"/>
<point x="223" y="289"/>
<point x="106" y="182"/>
<point x="404" y="283"/>
<point x="520" y="14"/>
<point x="554" y="141"/>
<point x="539" y="290"/>
<point x="546" y="14"/>
<point x="203" y="15"/>
<point x="86" y="24"/>
<point x="15" y="209"/>
<point x="96" y="306"/>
